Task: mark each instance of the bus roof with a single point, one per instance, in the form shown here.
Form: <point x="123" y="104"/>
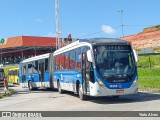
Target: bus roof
<point x="104" y="41"/>
<point x="94" y="41"/>
<point x="36" y="58"/>
<point x="16" y="68"/>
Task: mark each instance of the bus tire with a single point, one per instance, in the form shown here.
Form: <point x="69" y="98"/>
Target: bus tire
<point x="59" y="88"/>
<point x="81" y="95"/>
<point x="30" y="86"/>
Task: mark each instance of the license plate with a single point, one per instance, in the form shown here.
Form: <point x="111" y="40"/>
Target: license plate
<point x="119" y="91"/>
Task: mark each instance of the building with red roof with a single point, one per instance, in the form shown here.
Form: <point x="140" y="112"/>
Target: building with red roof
<point x="15" y="49"/>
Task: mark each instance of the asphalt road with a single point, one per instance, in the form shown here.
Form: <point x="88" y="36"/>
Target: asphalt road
<point x="45" y="100"/>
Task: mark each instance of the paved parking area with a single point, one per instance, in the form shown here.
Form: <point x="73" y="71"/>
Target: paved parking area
<point x="45" y="100"/>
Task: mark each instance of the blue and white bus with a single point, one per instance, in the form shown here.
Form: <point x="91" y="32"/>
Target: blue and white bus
<point x="35" y="72"/>
<point x="88" y="67"/>
<point x="96" y="67"/>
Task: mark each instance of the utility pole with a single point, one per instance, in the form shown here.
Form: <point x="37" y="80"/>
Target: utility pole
<point x="122" y="25"/>
<point x="57" y="24"/>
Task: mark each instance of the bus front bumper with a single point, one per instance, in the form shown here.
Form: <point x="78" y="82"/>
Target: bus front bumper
<point x="104" y="91"/>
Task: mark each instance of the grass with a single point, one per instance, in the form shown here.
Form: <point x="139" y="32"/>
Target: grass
<point x="149" y="79"/>
<point x="6" y="94"/>
<point x="144" y="61"/>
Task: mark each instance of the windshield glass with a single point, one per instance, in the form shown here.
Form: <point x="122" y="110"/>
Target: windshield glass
<point x="115" y="63"/>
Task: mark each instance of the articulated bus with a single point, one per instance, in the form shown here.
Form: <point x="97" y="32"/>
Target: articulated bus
<point x="13" y="75"/>
<point x="93" y="67"/>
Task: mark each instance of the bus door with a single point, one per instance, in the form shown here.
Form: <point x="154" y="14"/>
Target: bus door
<point x="85" y="74"/>
<point x="41" y="72"/>
<point x="35" y="74"/>
<point x="49" y="67"/>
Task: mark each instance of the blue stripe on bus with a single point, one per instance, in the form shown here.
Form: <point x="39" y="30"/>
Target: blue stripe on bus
<point x="35" y="78"/>
<point x="20" y="78"/>
<point x="67" y="76"/>
<point x="46" y="76"/>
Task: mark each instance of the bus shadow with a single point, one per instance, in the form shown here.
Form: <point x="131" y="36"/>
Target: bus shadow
<point x="140" y="97"/>
<point x="27" y="91"/>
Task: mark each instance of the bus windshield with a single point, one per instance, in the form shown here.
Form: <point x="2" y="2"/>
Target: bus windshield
<point x="115" y="63"/>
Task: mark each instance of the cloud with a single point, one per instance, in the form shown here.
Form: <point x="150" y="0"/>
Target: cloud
<point x="51" y="34"/>
<point x="38" y="20"/>
<point x="108" y="29"/>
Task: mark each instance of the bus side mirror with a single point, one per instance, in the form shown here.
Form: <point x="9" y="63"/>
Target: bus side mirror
<point x="89" y="56"/>
<point x="135" y="55"/>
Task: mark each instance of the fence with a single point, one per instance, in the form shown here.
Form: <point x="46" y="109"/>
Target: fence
<point x="149" y="60"/>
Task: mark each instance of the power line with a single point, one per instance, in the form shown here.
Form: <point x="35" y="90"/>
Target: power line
<point x="95" y="32"/>
<point x="112" y="27"/>
<point x="137" y="25"/>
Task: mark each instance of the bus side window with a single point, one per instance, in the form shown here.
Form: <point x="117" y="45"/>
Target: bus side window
<point x="35" y="67"/>
<point x="14" y="73"/>
<point x="57" y="63"/>
<point x="23" y="70"/>
<point x="78" y="58"/>
<point x="61" y="57"/>
<point x="41" y="66"/>
<point x="29" y="68"/>
<point x="11" y="72"/>
<point x="46" y="65"/>
<point x="72" y="60"/>
<point x="66" y="60"/>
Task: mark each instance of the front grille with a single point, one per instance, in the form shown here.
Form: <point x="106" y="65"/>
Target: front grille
<point x="117" y="80"/>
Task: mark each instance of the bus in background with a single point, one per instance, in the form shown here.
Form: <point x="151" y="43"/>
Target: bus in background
<point x="2" y="76"/>
<point x="96" y="67"/>
<point x="13" y="75"/>
<point x="34" y="72"/>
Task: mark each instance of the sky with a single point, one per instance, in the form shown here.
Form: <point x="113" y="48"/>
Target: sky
<point x="80" y="18"/>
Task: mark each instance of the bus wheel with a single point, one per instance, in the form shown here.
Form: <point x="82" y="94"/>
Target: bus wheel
<point x="81" y="95"/>
<point x="59" y="88"/>
<point x="30" y="85"/>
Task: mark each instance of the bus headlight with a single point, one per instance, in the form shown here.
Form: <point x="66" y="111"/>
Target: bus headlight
<point x="100" y="82"/>
<point x="134" y="82"/>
